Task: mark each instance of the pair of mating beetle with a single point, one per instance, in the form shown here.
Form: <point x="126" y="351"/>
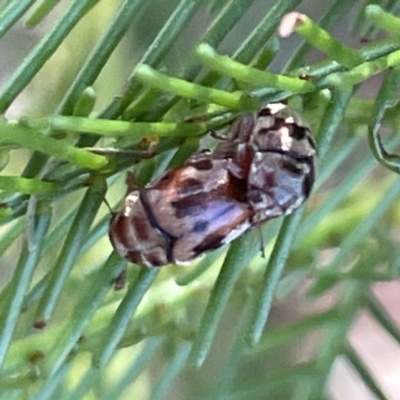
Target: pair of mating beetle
<point x="263" y="170"/>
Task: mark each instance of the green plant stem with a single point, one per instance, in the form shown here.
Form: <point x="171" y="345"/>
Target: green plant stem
<point x="253" y="76"/>
<point x="381" y="315"/>
<point x="59" y="231"/>
<point x="291" y="332"/>
<point x="369" y="52"/>
<point x="85" y="103"/>
<point x="42" y="52"/>
<point x="153" y="56"/>
<point x="90" y="301"/>
<point x="350" y="298"/>
<point x="21" y="279"/>
<point x="346" y="80"/>
<point x="309" y="233"/>
<point x="14" y="184"/>
<point x="267" y="389"/>
<point x="214" y="35"/>
<point x="218" y="30"/>
<point x="387" y="97"/>
<point x="85" y="384"/>
<point x="34" y="139"/>
<point x="265" y="29"/>
<point x="273" y="272"/>
<point x="256" y="40"/>
<point x="134" y="369"/>
<point x="236" y="353"/>
<point x="335" y="13"/>
<point x="194" y="273"/>
<point x="361" y="231"/>
<point x="331" y="120"/>
<point x="325" y="42"/>
<point x="40" y="12"/>
<point x="155" y="79"/>
<point x="367" y="378"/>
<point x="50" y="386"/>
<point x="121" y="319"/>
<point x="384" y="20"/>
<point x="70" y="250"/>
<point x="170" y="372"/>
<point x="11" y="13"/>
<point x="10" y="235"/>
<point x="236" y="259"/>
<point x="138" y="130"/>
<point x="95" y="62"/>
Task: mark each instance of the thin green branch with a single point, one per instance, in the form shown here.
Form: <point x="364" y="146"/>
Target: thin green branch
<point x="157" y="80"/>
<point x="9" y="236"/>
<point x="255" y="41"/>
<point x="336" y="157"/>
<point x="85" y="384"/>
<point x="101" y="53"/>
<point x="281" y="379"/>
<point x="236" y="353"/>
<point x="40" y="12"/>
<point x="218" y="30"/>
<point x="214" y="35"/>
<point x="236" y="259"/>
<point x="153" y="56"/>
<point x="70" y="250"/>
<point x="252" y="76"/>
<point x="209" y="260"/>
<point x="362" y="370"/>
<point x="12" y="184"/>
<point x="12" y="12"/>
<point x="273" y="272"/>
<point x="331" y="121"/>
<point x="134" y="369"/>
<point x="384" y="20"/>
<point x="320" y="39"/>
<point x="350" y="298"/>
<point x="361" y="231"/>
<point x="380" y="314"/>
<point x="346" y="80"/>
<point x="387" y="97"/>
<point x="43" y="51"/>
<point x="369" y="52"/>
<point x="265" y="29"/>
<point x="51" y="385"/>
<point x="21" y="280"/>
<point x="34" y="139"/>
<point x="283" y="335"/>
<point x="335" y="13"/>
<point x="90" y="301"/>
<point x="85" y="103"/>
<point x="137" y="130"/>
<point x="311" y="236"/>
<point x="115" y="331"/>
<point x="171" y="372"/>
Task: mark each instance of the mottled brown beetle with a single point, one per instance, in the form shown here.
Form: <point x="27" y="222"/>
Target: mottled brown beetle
<point x="188" y="211"/>
<point x="264" y="169"/>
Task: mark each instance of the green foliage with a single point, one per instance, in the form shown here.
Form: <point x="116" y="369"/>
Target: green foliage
<point x="142" y="74"/>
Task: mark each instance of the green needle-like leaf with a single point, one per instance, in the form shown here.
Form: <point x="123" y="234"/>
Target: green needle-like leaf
<point x="80" y="226"/>
<point x="43" y="51"/>
<point x="123" y="315"/>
